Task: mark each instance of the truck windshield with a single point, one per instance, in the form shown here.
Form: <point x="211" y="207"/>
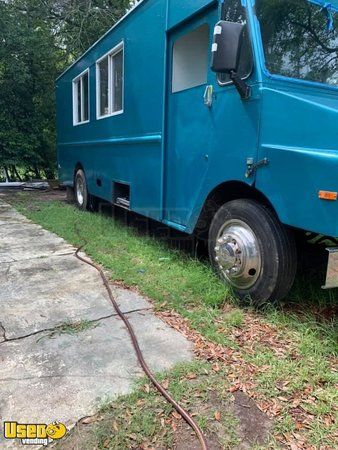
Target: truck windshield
<point x="300" y="39"/>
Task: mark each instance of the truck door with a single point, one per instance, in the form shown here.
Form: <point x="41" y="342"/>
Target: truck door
<point x="210" y="130"/>
<point x="189" y="120"/>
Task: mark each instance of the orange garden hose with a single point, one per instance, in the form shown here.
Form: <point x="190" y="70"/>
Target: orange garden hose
<point x="183" y="413"/>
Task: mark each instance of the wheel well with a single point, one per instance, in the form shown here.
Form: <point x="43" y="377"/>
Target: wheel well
<point x="77" y="167"/>
<point x="223" y="193"/>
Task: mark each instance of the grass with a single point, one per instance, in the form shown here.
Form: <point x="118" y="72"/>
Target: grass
<point x="286" y="354"/>
<point x="71" y="329"/>
<point x="144" y="419"/>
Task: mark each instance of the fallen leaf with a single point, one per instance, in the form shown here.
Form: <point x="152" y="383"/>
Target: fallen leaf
<point x="296" y="402"/>
<point x="191" y="376"/>
<point x="132" y="436"/>
<point x="88" y="420"/>
<point x="176" y="415"/>
<point x="233" y="389"/>
<point x="218" y="416"/>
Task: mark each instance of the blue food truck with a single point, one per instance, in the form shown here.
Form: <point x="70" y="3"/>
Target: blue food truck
<point x="218" y="118"/>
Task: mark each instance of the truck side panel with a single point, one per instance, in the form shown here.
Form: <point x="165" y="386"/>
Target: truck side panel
<point x="126" y="147"/>
<point x="181" y="10"/>
<point x="298" y="136"/>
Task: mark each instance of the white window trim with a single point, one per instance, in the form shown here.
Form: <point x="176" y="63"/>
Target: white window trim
<point x="75" y="98"/>
<point x="119" y="47"/>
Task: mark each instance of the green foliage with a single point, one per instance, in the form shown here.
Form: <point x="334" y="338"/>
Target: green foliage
<point x="28" y="68"/>
<point x="39" y="38"/>
<point x="82" y="22"/>
<point x="297" y="39"/>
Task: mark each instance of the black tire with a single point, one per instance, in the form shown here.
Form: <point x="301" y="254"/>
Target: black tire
<point x="273" y="242"/>
<point x="82" y="198"/>
<point x="94" y="204"/>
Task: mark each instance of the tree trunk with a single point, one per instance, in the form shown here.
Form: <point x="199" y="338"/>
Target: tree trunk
<point x="50" y="174"/>
<point x="8" y="178"/>
<point x="37" y="173"/>
<point x="16" y="174"/>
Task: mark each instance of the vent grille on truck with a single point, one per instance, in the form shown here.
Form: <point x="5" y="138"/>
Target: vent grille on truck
<point x="121" y="194"/>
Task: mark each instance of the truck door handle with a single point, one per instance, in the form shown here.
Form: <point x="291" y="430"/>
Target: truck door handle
<point x="209" y="95"/>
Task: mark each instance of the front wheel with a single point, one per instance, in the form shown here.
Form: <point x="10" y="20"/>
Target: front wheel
<point x="252" y="251"/>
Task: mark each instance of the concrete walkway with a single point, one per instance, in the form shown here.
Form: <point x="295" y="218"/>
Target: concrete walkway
<point x="49" y="373"/>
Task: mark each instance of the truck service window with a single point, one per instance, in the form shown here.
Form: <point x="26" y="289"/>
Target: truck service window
<point x="190" y="59"/>
<point x="300" y="39"/>
<point x="233" y="11"/>
<point x="103" y="86"/>
<point x="109" y="83"/>
<point x="81" y="99"/>
<point x="117" y="67"/>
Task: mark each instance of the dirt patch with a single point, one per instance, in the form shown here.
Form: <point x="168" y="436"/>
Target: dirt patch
<point x="250" y="427"/>
<point x="81" y="437"/>
<point x="234" y="422"/>
<point x="44" y="196"/>
<point x="254" y="426"/>
<point x="185" y="438"/>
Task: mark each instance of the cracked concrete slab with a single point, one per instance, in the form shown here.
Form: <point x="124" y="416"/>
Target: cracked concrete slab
<point x="16" y="242"/>
<point x="64" y="378"/>
<point x="51" y="376"/>
<point x="8" y="215"/>
<point x="52" y="291"/>
<point x="2" y="333"/>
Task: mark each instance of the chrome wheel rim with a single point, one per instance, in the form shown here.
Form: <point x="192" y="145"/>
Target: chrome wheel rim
<point x="80" y="191"/>
<point x="238" y="255"/>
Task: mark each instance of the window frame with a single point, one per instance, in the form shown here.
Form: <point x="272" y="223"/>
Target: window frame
<point x="185" y="34"/>
<point x="77" y="79"/>
<point x="284" y="78"/>
<point x="110" y="55"/>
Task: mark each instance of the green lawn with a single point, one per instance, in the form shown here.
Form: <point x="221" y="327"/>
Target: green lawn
<point x="284" y="356"/>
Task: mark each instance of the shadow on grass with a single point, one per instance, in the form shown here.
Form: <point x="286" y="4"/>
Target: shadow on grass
<point x="306" y="297"/>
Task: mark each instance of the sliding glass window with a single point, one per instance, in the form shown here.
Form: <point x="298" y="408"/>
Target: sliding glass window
<point x="109" y="83"/>
<point x="81" y="98"/>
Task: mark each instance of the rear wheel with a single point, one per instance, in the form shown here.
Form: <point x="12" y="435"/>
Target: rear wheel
<point x="81" y="190"/>
<point x="252" y="251"/>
